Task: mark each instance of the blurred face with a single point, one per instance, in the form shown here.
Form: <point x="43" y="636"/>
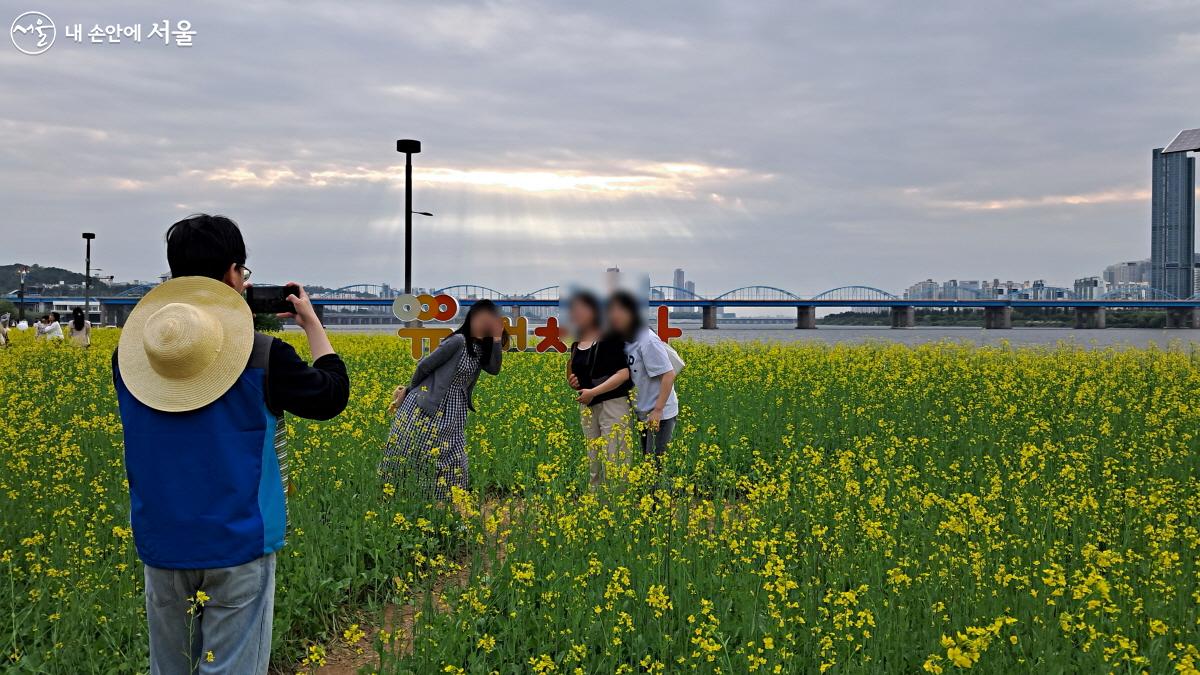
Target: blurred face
<point x="582" y="318"/>
<point x="483" y="324"/>
<point x="619" y="318"/>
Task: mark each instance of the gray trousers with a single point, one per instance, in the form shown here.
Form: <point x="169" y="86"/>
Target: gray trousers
<point x="234" y="625"/>
<point x="655" y="442"/>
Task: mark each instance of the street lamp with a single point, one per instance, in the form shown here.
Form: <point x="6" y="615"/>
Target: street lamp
<point x="409" y="147"/>
<point x="87" y="275"/>
<point x="23" y="272"/>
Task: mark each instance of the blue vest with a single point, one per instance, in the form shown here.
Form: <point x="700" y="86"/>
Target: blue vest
<point x="205" y="487"/>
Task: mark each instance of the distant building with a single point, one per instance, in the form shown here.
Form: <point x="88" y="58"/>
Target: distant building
<point x="691" y="289"/>
<point x="1131" y="272"/>
<point x="613" y="278"/>
<point x="680" y="281"/>
<point x="1173" y="223"/>
<point x="1090" y="288"/>
<point x="923" y="290"/>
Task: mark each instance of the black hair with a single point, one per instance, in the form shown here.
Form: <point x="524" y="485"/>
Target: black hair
<point x="626" y="301"/>
<point x="77" y="318"/>
<point x="476" y="346"/>
<point x="204" y="246"/>
<point x="53" y="316"/>
<point x="591" y="301"/>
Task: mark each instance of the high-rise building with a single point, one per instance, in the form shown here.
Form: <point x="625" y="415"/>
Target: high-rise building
<point x="679" y="282"/>
<point x="690" y="287"/>
<point x="612" y="277"/>
<point x="1173" y="223"/>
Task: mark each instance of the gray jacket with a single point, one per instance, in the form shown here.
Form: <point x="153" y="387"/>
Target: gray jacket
<point x="436" y="371"/>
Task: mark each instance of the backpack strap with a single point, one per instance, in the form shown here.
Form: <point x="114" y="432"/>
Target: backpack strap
<point x="260" y="357"/>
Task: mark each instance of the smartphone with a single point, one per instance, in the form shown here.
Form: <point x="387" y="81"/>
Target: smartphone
<point x="271" y="299"/>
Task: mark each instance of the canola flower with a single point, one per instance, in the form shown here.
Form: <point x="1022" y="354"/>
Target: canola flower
<point x="871" y="508"/>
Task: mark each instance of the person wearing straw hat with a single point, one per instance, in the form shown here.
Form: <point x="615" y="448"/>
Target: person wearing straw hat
<point x="202" y="398"/>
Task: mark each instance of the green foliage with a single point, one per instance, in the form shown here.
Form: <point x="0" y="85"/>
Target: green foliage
<point x="267" y="323"/>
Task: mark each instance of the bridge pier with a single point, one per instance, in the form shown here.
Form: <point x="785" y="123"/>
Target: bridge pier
<point x="1183" y="317"/>
<point x="904" y="317"/>
<point x="708" y="318"/>
<point x="1089" y="317"/>
<point x="319" y="310"/>
<point x="995" y="318"/>
<point x="806" y="317"/>
<point x="113" y="314"/>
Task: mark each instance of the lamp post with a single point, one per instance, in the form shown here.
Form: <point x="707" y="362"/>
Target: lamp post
<point x="409" y="147"/>
<point x="23" y="272"/>
<point x="87" y="275"/>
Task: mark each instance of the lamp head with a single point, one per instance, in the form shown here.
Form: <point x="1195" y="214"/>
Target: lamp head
<point x="89" y="235"/>
<point x="408" y="146"/>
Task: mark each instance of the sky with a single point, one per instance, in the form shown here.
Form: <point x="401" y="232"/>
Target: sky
<point x="800" y="145"/>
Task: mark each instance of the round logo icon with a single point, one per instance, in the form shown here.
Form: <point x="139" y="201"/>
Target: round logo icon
<point x="32" y="33"/>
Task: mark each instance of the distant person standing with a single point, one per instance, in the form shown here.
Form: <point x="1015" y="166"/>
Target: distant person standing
<point x="598" y="371"/>
<point x="4" y="331"/>
<point x="652" y="371"/>
<point x="80" y="328"/>
<point x="50" y="328"/>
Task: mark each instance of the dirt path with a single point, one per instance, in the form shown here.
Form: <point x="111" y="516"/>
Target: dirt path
<point x="399" y="619"/>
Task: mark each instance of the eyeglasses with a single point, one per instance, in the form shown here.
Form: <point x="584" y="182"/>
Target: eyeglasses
<point x="245" y="272"/>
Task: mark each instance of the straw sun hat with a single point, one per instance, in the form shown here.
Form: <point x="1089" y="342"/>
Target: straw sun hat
<point x="185" y="344"/>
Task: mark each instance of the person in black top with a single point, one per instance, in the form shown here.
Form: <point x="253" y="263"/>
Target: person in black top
<point x="598" y="370"/>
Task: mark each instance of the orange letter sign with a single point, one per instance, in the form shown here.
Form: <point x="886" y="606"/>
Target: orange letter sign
<point x="665" y="331"/>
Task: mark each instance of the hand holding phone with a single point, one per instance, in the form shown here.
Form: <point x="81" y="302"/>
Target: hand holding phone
<point x="271" y="299"/>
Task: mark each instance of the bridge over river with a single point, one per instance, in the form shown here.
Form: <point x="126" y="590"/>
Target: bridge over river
<point x="365" y="304"/>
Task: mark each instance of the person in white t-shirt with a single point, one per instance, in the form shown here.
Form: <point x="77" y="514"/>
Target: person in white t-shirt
<point x="49" y="328"/>
<point x="651" y="370"/>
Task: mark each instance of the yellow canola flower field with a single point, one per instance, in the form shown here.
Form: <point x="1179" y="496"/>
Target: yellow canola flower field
<point x="842" y="509"/>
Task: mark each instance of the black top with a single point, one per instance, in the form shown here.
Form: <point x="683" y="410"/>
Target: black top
<point x="599" y="362"/>
<point x="316" y="392"/>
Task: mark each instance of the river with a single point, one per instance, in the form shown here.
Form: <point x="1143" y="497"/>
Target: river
<point x="1108" y="337"/>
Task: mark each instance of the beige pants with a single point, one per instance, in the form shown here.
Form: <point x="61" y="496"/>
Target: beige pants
<point x="605" y="425"/>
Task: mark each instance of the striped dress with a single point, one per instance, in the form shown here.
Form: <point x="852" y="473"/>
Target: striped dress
<point x="430" y="455"/>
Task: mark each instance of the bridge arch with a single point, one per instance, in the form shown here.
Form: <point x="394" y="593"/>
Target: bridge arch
<point x="544" y="293"/>
<point x="355" y="291"/>
<point x="855" y="293"/>
<point x="758" y="293"/>
<point x="135" y="291"/>
<point x="471" y="291"/>
<point x="675" y="293"/>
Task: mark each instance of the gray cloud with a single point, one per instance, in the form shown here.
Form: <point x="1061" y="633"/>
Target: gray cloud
<point x="804" y="145"/>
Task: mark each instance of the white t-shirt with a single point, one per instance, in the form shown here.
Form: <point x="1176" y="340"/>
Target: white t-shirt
<point x="53" y="331"/>
<point x="648" y="362"/>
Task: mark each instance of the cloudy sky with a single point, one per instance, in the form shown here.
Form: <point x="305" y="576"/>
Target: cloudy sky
<point x="802" y="145"/>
